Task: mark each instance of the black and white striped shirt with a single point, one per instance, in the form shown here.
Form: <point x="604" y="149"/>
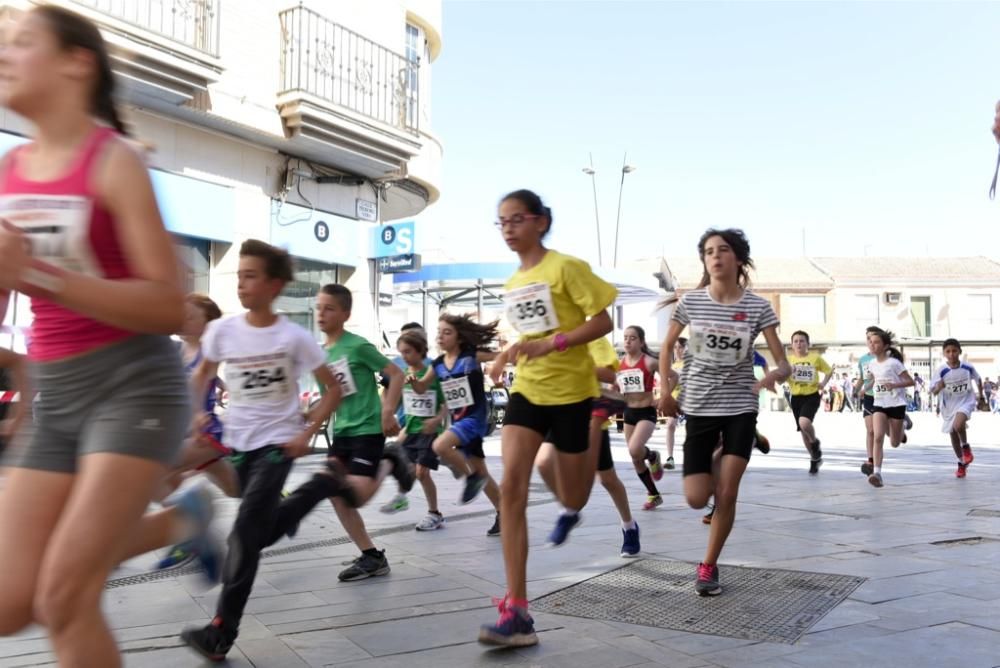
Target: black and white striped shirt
<point x="718" y="374"/>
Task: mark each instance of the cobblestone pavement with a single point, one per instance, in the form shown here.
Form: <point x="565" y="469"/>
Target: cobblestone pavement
<point x="927" y="545"/>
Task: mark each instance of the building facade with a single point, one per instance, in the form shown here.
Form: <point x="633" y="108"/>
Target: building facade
<point x="300" y="123"/>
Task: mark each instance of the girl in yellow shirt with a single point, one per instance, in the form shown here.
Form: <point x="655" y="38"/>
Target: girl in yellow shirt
<point x="557" y="305"/>
<point x="806" y="390"/>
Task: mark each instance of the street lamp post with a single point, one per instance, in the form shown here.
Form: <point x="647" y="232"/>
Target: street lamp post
<point x="597" y="221"/>
<point x="626" y="168"/>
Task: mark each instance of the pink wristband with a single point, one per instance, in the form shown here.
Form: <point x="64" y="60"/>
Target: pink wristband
<point x="560" y="342"/>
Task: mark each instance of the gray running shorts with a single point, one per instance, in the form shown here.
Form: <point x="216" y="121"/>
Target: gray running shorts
<point x="129" y="398"/>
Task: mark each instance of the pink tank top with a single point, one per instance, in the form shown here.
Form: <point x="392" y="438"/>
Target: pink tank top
<point x="69" y="228"/>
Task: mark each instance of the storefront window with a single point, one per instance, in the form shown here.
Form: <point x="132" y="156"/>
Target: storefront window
<point x="299" y="296"/>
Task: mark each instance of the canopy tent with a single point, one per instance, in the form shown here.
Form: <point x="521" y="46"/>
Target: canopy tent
<point x="480" y="285"/>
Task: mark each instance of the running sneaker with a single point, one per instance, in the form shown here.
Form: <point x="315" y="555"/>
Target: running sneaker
<point x="630" y="542"/>
<point x="495" y="529"/>
<point x="967" y="457"/>
<point x="213" y="642"/>
<point x="402" y="469"/>
<point x="903" y="440"/>
<point x="761" y="443"/>
<point x="655" y="465"/>
<point x="653" y="501"/>
<point x="707" y="519"/>
<point x="707" y="583"/>
<point x="196" y="505"/>
<point x="817" y="458"/>
<point x="875" y="480"/>
<point x="868" y="468"/>
<point x="179" y="555"/>
<point x="474" y="484"/>
<point x="564" y="525"/>
<point x="515" y="628"/>
<point x="960" y="473"/>
<point x="396" y="504"/>
<point x="430" y="522"/>
<point x="669" y="465"/>
<point x="367" y="566"/>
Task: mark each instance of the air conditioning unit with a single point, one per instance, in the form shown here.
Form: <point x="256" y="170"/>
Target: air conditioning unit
<point x="893" y="298"/>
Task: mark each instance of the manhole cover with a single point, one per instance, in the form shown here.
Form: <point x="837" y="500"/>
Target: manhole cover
<point x="758" y="603"/>
<point x="984" y="512"/>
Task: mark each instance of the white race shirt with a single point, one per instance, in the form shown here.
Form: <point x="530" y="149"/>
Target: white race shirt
<point x="884" y="373"/>
<point x="261" y="366"/>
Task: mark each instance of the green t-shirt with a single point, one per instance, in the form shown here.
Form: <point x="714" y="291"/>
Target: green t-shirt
<point x="418" y="408"/>
<point x="354" y="362"/>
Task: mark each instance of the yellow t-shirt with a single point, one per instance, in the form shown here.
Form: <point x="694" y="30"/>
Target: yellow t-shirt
<point x="805" y="373"/>
<point x="604" y="356"/>
<point x="566" y="287"/>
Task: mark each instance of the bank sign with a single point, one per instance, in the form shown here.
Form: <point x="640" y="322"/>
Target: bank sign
<point x="392" y="240"/>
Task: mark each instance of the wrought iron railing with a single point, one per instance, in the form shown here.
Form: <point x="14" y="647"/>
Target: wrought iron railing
<point x="338" y="65"/>
<point x="194" y="23"/>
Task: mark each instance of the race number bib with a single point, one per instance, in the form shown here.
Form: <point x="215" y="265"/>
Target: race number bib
<point x="341" y="370"/>
<point x="882" y="390"/>
<point x="804" y="373"/>
<point x="630" y="381"/>
<point x="457" y="393"/>
<point x="419" y="405"/>
<point x="262" y="379"/>
<point x="56" y="226"/>
<point x="955" y="388"/>
<point x="725" y="343"/>
<point x="529" y="309"/>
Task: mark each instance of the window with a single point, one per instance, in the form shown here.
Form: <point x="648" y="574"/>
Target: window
<point x="807" y="309"/>
<point x="866" y="310"/>
<point x="415" y="47"/>
<point x="297" y="300"/>
<point x="196" y="254"/>
<point x="981" y="309"/>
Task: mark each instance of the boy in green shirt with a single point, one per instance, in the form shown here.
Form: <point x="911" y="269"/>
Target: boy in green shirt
<point x="359" y="457"/>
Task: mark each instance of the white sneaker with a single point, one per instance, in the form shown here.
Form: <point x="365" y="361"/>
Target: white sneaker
<point x="430" y="522"/>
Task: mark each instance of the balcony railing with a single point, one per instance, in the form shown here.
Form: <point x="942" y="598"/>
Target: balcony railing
<point x="194" y="23"/>
<point x="325" y="59"/>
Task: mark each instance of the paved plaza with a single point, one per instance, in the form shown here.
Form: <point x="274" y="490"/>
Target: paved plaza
<point x="907" y="575"/>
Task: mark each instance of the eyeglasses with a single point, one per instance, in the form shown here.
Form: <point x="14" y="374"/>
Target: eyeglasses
<point x="516" y="219"/>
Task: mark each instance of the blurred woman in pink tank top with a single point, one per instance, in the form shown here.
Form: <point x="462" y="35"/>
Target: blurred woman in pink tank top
<point x="80" y="233"/>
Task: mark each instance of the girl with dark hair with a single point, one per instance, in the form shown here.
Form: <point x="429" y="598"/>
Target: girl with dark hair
<point x="464" y="388"/>
<point x="82" y="236"/>
<point x="558" y="306"/>
<point x="719" y="392"/>
<point x="635" y="381"/>
<point x="887" y="377"/>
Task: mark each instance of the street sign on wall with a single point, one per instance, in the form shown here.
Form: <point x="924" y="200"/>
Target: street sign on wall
<point x="397" y="264"/>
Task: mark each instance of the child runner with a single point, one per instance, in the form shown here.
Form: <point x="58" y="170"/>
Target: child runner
<point x="888" y="379"/>
<point x="424" y="413"/>
<point x="548" y="300"/>
<point x="672" y="422"/>
<point x="264" y="355"/>
<point x="464" y="387"/>
<point x="720" y="395"/>
<point x="806" y="388"/>
<point x="205" y="451"/>
<point x="958" y="400"/>
<point x="864" y="389"/>
<point x="606" y="361"/>
<point x="635" y="381"/>
<point x="82" y="236"/>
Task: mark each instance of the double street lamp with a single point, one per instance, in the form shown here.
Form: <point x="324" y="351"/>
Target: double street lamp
<point x="626" y="169"/>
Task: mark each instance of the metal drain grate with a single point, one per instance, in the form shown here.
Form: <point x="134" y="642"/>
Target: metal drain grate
<point x="983" y="512"/>
<point x="192" y="569"/>
<point x="758" y="603"/>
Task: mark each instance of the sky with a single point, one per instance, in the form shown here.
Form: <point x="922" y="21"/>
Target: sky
<point x="837" y="128"/>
